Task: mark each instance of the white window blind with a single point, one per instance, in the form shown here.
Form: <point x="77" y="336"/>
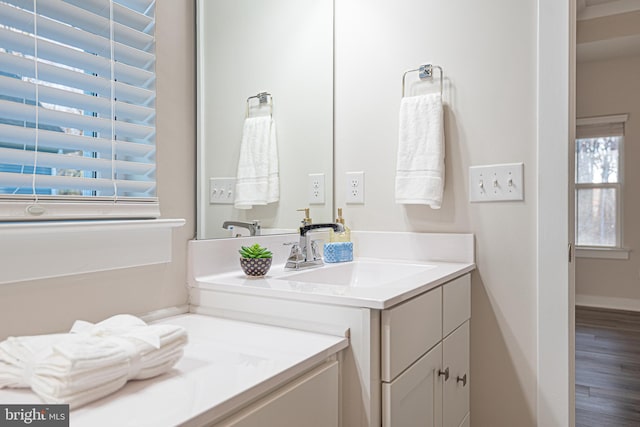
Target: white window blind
<point x="77" y="109"/>
<point x="597" y="127"/>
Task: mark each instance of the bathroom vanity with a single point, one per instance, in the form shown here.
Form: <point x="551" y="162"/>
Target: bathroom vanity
<point x="406" y="313"/>
<point x="232" y="373"/>
<point x="425" y="358"/>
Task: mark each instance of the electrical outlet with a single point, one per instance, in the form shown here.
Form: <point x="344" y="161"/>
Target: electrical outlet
<point x="354" y="189"/>
<point x="316" y="188"/>
<point x="222" y="191"/>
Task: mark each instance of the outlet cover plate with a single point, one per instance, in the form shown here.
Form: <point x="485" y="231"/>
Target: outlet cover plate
<point x="354" y="188"/>
<point x="316" y="189"/>
<point x="496" y="183"/>
<point x="222" y="191"/>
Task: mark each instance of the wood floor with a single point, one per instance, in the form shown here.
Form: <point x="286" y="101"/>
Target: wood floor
<point x="607" y="368"/>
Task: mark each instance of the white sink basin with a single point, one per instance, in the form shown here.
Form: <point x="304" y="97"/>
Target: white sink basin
<point x="359" y="273"/>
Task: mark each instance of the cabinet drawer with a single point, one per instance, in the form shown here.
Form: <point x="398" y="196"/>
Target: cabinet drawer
<point x="409" y="330"/>
<point x="311" y="400"/>
<point x="456" y="302"/>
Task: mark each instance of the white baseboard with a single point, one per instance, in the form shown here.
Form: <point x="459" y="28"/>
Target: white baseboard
<point x="628" y="304"/>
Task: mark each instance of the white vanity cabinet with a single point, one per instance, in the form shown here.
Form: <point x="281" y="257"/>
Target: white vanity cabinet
<point x="425" y="358"/>
<point x="393" y="372"/>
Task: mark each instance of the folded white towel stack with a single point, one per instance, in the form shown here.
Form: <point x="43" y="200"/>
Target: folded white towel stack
<point x="420" y="163"/>
<point x="91" y="361"/>
<point x="257" y="182"/>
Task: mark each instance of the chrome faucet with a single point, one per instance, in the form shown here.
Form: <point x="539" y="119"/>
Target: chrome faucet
<point x="306" y="253"/>
<point x="252" y="226"/>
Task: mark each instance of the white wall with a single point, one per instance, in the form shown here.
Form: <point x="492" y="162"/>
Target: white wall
<point x="488" y="52"/>
<point x="604" y="88"/>
<point x="45" y="306"/>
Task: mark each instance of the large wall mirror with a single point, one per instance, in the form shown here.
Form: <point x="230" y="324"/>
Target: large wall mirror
<point x="284" y="48"/>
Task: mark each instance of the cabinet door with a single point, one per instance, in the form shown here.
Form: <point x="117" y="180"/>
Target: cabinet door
<point x="455" y="356"/>
<point x="415" y="397"/>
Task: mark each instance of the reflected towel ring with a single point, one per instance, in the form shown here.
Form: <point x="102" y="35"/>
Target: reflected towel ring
<point x="425" y="72"/>
<point x="263" y="98"/>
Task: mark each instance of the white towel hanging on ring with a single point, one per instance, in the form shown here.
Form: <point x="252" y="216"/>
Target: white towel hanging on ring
<point x="420" y="160"/>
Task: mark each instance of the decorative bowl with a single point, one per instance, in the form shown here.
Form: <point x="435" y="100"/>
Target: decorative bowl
<point x="255" y="267"/>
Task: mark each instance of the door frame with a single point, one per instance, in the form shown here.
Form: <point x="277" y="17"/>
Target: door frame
<point x="556" y="273"/>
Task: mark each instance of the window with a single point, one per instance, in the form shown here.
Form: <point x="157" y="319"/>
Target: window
<point x="598" y="181"/>
<point x="77" y="109"/>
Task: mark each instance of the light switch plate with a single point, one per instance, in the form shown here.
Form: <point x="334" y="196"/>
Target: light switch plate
<point x="316" y="188"/>
<point x="222" y="191"/>
<point x="496" y="183"/>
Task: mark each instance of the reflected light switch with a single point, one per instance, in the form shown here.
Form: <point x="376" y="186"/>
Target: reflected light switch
<point x="222" y="191"/>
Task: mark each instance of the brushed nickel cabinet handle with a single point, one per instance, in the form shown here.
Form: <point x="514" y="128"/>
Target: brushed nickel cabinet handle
<point x="445" y="373"/>
<point x="462" y="379"/>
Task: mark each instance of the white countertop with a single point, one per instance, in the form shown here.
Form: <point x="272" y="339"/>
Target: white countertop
<point x="277" y="284"/>
<point x="225" y="365"/>
<point x="214" y="266"/>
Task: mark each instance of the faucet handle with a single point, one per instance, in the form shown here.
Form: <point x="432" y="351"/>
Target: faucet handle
<point x="296" y="254"/>
<point x="315" y="250"/>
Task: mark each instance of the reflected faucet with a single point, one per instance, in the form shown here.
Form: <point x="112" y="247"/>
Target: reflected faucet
<point x="306" y="253"/>
<point x="252" y="226"/>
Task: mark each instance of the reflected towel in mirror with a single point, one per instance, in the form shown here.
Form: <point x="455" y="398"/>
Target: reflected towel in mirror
<point x="258" y="180"/>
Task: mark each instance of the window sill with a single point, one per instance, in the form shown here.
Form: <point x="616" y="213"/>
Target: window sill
<point x="39" y="250"/>
<point x="602" y="253"/>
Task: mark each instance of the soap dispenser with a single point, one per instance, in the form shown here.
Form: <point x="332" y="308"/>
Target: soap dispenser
<point x="344" y="236"/>
<point x="339" y="248"/>
<point x="307" y="219"/>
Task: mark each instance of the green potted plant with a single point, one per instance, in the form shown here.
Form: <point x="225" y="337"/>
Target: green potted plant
<point x="255" y="260"/>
